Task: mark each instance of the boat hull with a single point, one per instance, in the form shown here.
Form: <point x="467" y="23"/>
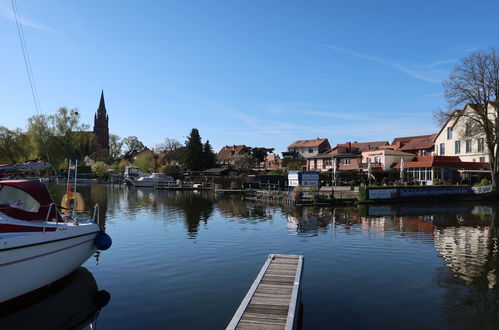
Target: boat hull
<point x="31" y="262"/>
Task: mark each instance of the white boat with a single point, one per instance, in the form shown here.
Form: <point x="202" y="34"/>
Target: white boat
<point x="152" y="180"/>
<point x="37" y="244"/>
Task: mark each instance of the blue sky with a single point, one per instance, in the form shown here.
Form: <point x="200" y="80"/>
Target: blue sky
<point x="260" y="73"/>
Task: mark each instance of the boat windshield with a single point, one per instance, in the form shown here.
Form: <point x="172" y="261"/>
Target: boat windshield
<point x="16" y="198"/>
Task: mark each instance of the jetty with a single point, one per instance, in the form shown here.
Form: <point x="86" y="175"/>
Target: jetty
<point x="273" y="301"/>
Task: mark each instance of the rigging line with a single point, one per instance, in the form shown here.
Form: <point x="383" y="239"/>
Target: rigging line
<point x="30" y="68"/>
<point x="31" y="79"/>
<point x="23" y="48"/>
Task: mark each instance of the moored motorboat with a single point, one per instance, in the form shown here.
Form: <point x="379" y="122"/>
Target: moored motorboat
<point x="37" y="244"/>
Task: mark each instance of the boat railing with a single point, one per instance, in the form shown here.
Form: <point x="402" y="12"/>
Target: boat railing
<point x="95" y="217"/>
<point x="49" y="212"/>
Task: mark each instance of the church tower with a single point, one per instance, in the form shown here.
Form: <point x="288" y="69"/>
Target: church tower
<point x="101" y="125"/>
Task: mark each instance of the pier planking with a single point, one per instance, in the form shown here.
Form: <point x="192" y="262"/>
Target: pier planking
<point x="273" y="300"/>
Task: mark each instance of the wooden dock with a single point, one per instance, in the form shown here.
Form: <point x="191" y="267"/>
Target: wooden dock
<point x="273" y="301"/>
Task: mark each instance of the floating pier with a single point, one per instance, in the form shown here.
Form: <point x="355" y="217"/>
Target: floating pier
<point x="273" y="301"/>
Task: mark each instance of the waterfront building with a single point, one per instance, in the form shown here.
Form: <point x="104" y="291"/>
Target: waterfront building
<point x="459" y="137"/>
<point x="425" y="169"/>
<point x="383" y="159"/>
<point x="303" y="149"/>
<point x="227" y="155"/>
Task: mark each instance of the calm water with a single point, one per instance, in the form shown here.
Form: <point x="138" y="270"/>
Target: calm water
<point x="184" y="260"/>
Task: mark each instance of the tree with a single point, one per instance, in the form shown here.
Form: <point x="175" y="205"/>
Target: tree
<point x="168" y="148"/>
<point x="71" y="134"/>
<point x="209" y="155"/>
<point x="13" y="145"/>
<point x="475" y="82"/>
<point x="244" y="162"/>
<point x="259" y="154"/>
<point x="115" y="146"/>
<point x="132" y="145"/>
<point x="294" y="166"/>
<point x="146" y="162"/>
<point x="194" y="151"/>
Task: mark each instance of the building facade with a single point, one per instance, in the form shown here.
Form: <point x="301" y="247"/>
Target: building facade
<point x="459" y="138"/>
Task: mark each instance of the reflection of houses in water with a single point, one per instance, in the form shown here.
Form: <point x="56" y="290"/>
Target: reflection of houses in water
<point x="466" y="251"/>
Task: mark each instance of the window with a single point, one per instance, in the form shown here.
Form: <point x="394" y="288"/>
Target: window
<point x="468" y="146"/>
<point x="480" y="145"/>
<point x="442" y="149"/>
<point x="449" y="133"/>
<point x="458" y="147"/>
<point x="18" y="199"/>
<point x="482" y="159"/>
<point x="310" y="150"/>
<point x="468" y="128"/>
<point x="346" y="161"/>
<point x="377" y="159"/>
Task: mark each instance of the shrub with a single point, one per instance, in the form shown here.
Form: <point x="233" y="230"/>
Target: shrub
<point x="362" y="193"/>
<point x="438" y="182"/>
<point x="233" y="185"/>
<point x="352" y="182"/>
<point x="483" y="182"/>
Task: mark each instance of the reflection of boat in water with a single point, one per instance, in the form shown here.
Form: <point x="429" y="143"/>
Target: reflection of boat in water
<point x="70" y="303"/>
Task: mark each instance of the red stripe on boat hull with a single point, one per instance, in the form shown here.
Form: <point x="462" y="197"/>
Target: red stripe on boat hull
<point x="9" y="228"/>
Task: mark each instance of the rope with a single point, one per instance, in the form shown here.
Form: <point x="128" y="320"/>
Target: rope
<point x="29" y="71"/>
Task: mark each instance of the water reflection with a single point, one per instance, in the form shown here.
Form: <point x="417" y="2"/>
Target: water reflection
<point x="71" y="303"/>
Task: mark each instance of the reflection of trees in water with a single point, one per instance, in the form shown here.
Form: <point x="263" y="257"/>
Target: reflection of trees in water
<point x="234" y="206"/>
<point x="196" y="208"/>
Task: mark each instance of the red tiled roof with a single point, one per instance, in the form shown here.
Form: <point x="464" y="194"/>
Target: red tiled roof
<point x="363" y="146"/>
<point x="308" y="143"/>
<point x="407" y="139"/>
<point x="230" y="152"/>
<point x="420" y="143"/>
<point x="442" y="161"/>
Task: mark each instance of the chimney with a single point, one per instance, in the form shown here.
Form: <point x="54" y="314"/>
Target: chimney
<point x="349" y="146"/>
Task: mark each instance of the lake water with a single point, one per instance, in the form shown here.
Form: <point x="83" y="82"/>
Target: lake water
<point x="185" y="260"/>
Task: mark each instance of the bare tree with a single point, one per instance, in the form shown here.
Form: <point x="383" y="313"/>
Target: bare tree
<point x="474" y="85"/>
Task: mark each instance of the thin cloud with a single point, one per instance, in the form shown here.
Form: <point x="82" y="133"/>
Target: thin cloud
<point x="425" y="72"/>
<point x="7" y="13"/>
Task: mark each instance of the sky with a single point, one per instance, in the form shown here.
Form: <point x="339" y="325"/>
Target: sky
<point x="259" y="73"/>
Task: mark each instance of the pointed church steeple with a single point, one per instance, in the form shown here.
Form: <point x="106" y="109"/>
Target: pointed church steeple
<point x="101" y="124"/>
<point x="102" y="105"/>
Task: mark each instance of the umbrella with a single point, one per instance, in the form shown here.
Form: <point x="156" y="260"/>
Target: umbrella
<point x="402" y="169"/>
<point x="369" y="169"/>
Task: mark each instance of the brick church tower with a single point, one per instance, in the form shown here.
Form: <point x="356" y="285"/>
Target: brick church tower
<point x="101" y="125"/>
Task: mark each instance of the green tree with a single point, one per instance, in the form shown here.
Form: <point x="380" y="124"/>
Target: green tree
<point x="209" y="155"/>
<point x="294" y="166"/>
<point x="194" y="151"/>
<point x="146" y="162"/>
<point x="14" y="145"/>
<point x="101" y="169"/>
<point x="115" y="146"/>
<point x="132" y="145"/>
<point x="70" y="133"/>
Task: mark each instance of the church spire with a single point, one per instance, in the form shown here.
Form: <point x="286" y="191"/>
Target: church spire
<point x="102" y="105"/>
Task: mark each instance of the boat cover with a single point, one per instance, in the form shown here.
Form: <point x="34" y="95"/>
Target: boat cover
<point x="37" y="191"/>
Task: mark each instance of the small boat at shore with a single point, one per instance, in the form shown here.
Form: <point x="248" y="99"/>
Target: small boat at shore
<point x="152" y="180"/>
<point x="38" y="245"/>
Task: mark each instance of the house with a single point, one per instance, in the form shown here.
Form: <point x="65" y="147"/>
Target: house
<point x="383" y="159"/>
<point x="422" y="145"/>
<point x="459" y="138"/>
<point x="425" y="169"/>
<point x="303" y="149"/>
<point x="228" y="154"/>
<point x="347" y="156"/>
<point x="272" y="162"/>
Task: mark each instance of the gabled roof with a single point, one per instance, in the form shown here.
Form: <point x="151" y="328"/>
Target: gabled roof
<point x="407" y="139"/>
<point x="442" y="161"/>
<point x="308" y="143"/>
<point x="230" y="152"/>
<point x="426" y="142"/>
